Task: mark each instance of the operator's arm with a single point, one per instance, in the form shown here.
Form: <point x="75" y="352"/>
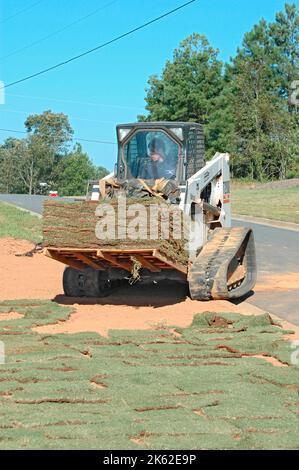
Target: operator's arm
<point x="142" y="172"/>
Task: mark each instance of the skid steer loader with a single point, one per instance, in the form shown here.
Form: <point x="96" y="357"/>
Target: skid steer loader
<point x="167" y="159"/>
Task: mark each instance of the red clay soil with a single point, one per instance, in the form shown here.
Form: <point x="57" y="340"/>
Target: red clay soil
<point x="278" y="282"/>
<point x="272" y="360"/>
<point x="25" y="277"/>
<point x="10" y="316"/>
<point x="137" y="307"/>
<point x="119" y="316"/>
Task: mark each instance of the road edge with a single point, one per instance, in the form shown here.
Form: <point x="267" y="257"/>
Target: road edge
<point x="36" y="214"/>
<point x="268" y="222"/>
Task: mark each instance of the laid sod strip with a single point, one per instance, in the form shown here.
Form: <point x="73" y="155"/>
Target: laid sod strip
<point x="74" y="225"/>
<point x="176" y="388"/>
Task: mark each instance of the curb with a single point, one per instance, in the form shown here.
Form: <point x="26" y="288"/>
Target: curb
<point x="268" y="222"/>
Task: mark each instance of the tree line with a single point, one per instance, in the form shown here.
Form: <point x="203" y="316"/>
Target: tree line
<point x="43" y="160"/>
<point x="248" y="106"/>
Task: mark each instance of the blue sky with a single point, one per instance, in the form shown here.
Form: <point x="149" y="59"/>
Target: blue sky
<point x="106" y="87"/>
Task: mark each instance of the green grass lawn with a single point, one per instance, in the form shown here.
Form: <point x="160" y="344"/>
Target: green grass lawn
<point x="16" y="223"/>
<point x="159" y="389"/>
<point x="278" y="204"/>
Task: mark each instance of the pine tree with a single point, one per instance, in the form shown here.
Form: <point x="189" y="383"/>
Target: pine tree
<point x="189" y="87"/>
<point x="285" y="35"/>
<point x="247" y="111"/>
<point x="263" y="127"/>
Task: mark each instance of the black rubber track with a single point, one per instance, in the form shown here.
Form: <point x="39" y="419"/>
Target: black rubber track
<point x="208" y="275"/>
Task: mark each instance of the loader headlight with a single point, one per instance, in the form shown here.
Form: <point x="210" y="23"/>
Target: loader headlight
<point x="178" y="131"/>
<point x="123" y="133"/>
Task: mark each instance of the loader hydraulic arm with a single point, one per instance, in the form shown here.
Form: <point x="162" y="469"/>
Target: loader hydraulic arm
<point x="207" y="198"/>
<point x="223" y="258"/>
<point x="216" y="174"/>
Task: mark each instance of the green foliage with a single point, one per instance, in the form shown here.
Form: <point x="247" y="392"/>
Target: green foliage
<point x="189" y="87"/>
<point x="9" y="178"/>
<point x="285" y="36"/>
<point x="247" y="110"/>
<point x="197" y="388"/>
<point x="264" y="131"/>
<point x="44" y="157"/>
<point x="53" y="129"/>
<point x="73" y="172"/>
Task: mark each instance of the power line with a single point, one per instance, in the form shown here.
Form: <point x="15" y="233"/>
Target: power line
<point x="74" y="137"/>
<point x="101" y="46"/>
<point x="86" y="103"/>
<point x="97" y="141"/>
<point x="72" y="118"/>
<point x="58" y="31"/>
<point x="21" y="11"/>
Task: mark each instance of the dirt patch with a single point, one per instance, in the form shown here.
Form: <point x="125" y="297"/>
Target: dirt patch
<point x="138" y="307"/>
<point x="10" y="316"/>
<point x="218" y="321"/>
<point x="101" y="318"/>
<point x="272" y="360"/>
<point x="200" y="412"/>
<point x="140" y="439"/>
<point x="60" y="401"/>
<point x="157" y="408"/>
<point x="97" y="385"/>
<point x="34" y="277"/>
<point x="278" y="282"/>
<point x="97" y="381"/>
<point x="10" y="246"/>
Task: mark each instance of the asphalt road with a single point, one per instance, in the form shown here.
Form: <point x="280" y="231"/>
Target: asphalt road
<point x="31" y="203"/>
<point x="277" y="254"/>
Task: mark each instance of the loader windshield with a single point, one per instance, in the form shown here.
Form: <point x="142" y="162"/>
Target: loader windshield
<point x="151" y="155"/>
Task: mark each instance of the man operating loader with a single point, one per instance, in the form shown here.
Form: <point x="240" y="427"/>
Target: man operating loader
<point x="157" y="165"/>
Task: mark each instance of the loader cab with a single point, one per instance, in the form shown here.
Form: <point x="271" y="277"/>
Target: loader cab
<point x="154" y="150"/>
